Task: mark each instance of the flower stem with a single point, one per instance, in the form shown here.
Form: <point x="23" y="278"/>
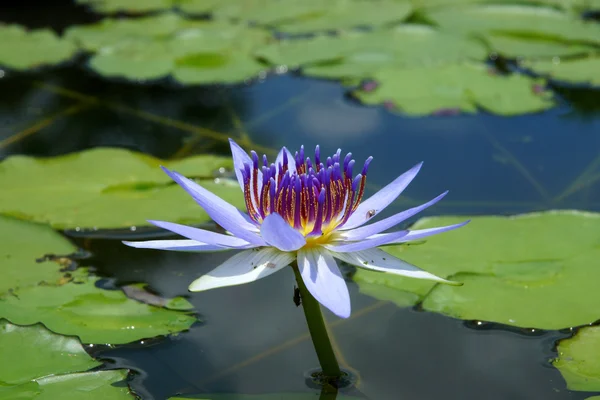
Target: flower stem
<point x="317" y="329"/>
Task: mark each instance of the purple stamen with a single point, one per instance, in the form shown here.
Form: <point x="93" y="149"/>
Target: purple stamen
<point x="366" y="167"/>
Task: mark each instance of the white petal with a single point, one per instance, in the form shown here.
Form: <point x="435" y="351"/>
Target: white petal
<point x="379" y="260"/>
<point x="175" y="245"/>
<point x="244" y="267"/>
<point x="324" y="280"/>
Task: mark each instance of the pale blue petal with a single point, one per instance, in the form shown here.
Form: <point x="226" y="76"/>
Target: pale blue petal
<point x="379" y="260"/>
<point x="380" y="200"/>
<point x="219" y="210"/>
<point x="202" y="235"/>
<point x="278" y="233"/>
<point x="380" y="226"/>
<point x="240" y="157"/>
<point x="176" y="245"/>
<point x="423" y="233"/>
<point x="244" y="267"/>
<point x="324" y="280"/>
<point x="367" y="243"/>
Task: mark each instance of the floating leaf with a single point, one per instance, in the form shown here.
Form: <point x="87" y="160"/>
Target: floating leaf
<point x="158" y="46"/>
<point x="98" y="385"/>
<point x="107" y="188"/>
<point x="344" y="14"/>
<point x="585" y="70"/>
<point x="578" y="360"/>
<point x="421" y="91"/>
<point x="520" y="47"/>
<point x="95" y="315"/>
<point x="23" y="242"/>
<point x="534" y="270"/>
<point x="129" y="6"/>
<point x="360" y="54"/>
<point x="134" y="59"/>
<point x="48" y="366"/>
<point x="22" y="49"/>
<point x="113" y="31"/>
<point x="52" y="354"/>
<point x="529" y="21"/>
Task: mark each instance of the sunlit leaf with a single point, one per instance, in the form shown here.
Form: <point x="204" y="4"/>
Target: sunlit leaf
<point x="43" y="365"/>
<point x="22" y="49"/>
<point x="96" y="315"/>
<point x="22" y="243"/>
<point x="535" y="22"/>
<point x="585" y="70"/>
<point x="578" y="360"/>
<point x="129" y="6"/>
<point x="107" y="188"/>
<point x="36" y="352"/>
<point x="360" y="54"/>
<point x="421" y="91"/>
<point x="535" y="270"/>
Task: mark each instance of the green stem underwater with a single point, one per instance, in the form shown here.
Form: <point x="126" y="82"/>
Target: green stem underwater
<point x="317" y="329"/>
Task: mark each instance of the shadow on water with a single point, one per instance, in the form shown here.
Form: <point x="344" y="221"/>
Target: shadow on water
<point x="252" y="339"/>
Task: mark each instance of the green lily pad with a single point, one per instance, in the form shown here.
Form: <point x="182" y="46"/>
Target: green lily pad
<point x="520" y="47"/>
<point x="134" y="59"/>
<point x="421" y="91"/>
<point x="22" y="49"/>
<point x="344" y="14"/>
<point x="585" y="70"/>
<point x="36" y="352"/>
<point x="530" y="21"/>
<point x="534" y="270"/>
<point x="154" y="47"/>
<point x="578" y="360"/>
<point x="107" y="188"/>
<point x="357" y="54"/>
<point x="70" y="303"/>
<point x="48" y="366"/>
<point x="129" y="6"/>
<point x="113" y="31"/>
<point x="96" y="315"/>
<point x="23" y="242"/>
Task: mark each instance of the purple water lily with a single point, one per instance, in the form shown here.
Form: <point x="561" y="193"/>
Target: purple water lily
<point x="298" y="209"/>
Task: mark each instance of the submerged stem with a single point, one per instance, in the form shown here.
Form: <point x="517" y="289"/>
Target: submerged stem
<point x="317" y="329"/>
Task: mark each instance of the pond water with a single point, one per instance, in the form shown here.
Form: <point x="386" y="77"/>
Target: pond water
<point x="252" y="338"/>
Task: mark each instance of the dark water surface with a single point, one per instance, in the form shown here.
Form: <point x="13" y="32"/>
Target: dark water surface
<point x="252" y="338"/>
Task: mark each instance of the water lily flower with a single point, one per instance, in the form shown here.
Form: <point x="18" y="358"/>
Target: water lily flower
<point x="303" y="210"/>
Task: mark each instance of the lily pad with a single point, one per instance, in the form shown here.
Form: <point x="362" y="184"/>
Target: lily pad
<point x="585" y="70"/>
<point x="521" y="47"/>
<point x="36" y="352"/>
<point x="129" y="6"/>
<point x="48" y="366"/>
<point x="22" y="49"/>
<point x="534" y="270"/>
<point x="158" y="46"/>
<point x="530" y="21"/>
<point x="344" y="14"/>
<point x="23" y="242"/>
<point x="421" y="91"/>
<point x="113" y="31"/>
<point x="578" y="360"/>
<point x="357" y="54"/>
<point x="96" y="315"/>
<point x="107" y="188"/>
<point x="70" y="303"/>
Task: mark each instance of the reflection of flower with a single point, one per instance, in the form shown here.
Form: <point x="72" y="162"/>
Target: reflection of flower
<point x="299" y="209"/>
